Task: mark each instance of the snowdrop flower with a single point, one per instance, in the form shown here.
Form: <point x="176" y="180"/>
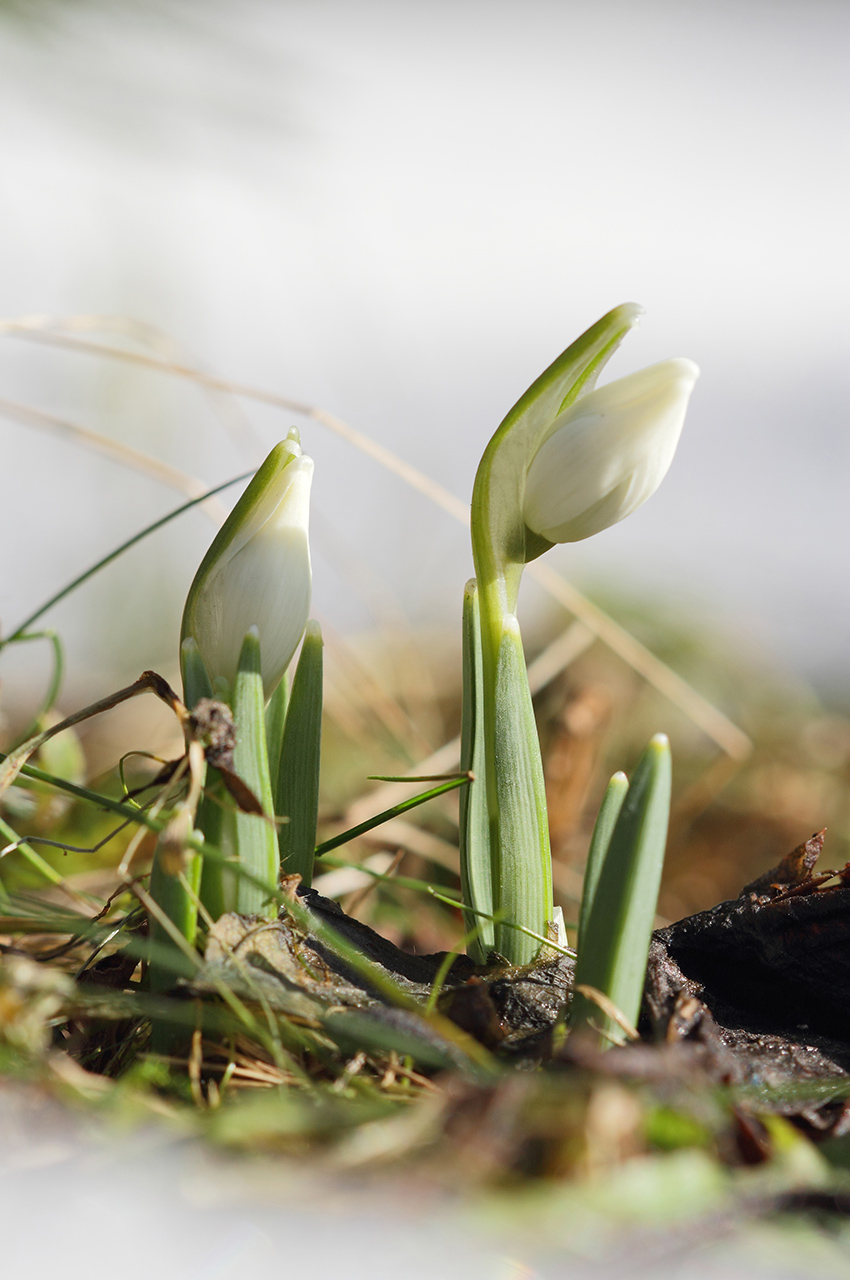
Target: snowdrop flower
<point x="566" y="462"/>
<point x="257" y="572"/>
<point x="607" y="453"/>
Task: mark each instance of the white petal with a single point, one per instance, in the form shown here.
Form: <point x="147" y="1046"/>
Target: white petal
<point x="607" y="453"/>
<point x="266" y="583"/>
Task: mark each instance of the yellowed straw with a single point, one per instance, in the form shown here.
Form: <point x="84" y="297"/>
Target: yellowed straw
<point x="123" y="454"/>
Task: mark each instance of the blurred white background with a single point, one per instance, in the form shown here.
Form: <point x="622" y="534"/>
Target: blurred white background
<point x="402" y="213"/>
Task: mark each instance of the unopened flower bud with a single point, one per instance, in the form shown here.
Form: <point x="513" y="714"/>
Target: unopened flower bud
<point x="607" y="452"/>
<point x="257" y="572"/>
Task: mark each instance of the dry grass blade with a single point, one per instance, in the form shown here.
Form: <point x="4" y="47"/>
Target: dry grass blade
<point x="62" y="331"/>
<point x="674" y="688"/>
<point x="375" y="705"/>
<point x="343" y="880"/>
<point x="554" y="659"/>
<point x="699" y="710"/>
<point x="148" y="682"/>
<point x="124" y="455"/>
<point x="608" y="1007"/>
<point x="405" y="835"/>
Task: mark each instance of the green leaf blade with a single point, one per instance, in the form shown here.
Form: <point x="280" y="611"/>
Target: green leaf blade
<point x="519" y="829"/>
<point x="603" y="830"/>
<point x="474" y="824"/>
<point x="614" y="947"/>
<point x="296" y="796"/>
<point x="256" y="840"/>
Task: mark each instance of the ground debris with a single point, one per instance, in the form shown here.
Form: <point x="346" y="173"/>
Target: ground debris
<point x="511" y="1010"/>
<point x="757" y="990"/>
<point x="795" y="869"/>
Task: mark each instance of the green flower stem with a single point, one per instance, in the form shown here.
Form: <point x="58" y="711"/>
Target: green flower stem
<point x="474" y="824"/>
<point x="296" y="794"/>
<point x="256" y="839"/>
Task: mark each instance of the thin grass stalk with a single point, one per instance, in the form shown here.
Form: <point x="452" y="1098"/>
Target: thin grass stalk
<point x="119" y="551"/>
<point x="56" y="677"/>
<point x="208" y="880"/>
<point x="18" y="844"/>
<point x="377" y="820"/>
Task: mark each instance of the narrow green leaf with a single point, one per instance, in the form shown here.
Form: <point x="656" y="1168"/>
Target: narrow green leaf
<point x="275" y="722"/>
<point x="26" y="850"/>
<point x="56" y="677"/>
<point x="519" y="829"/>
<point x="379" y="818"/>
<point x="296" y="796"/>
<point x="170" y="895"/>
<point x="614" y="944"/>
<point x="211" y="822"/>
<point x="256" y="839"/>
<point x="606" y="820"/>
<point x="474" y="826"/>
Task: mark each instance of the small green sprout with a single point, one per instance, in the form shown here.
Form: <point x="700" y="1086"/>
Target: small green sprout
<point x="620" y="894"/>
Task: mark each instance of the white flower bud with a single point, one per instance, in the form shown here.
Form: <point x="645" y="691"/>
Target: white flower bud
<point x="607" y="453"/>
<point x="257" y="573"/>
